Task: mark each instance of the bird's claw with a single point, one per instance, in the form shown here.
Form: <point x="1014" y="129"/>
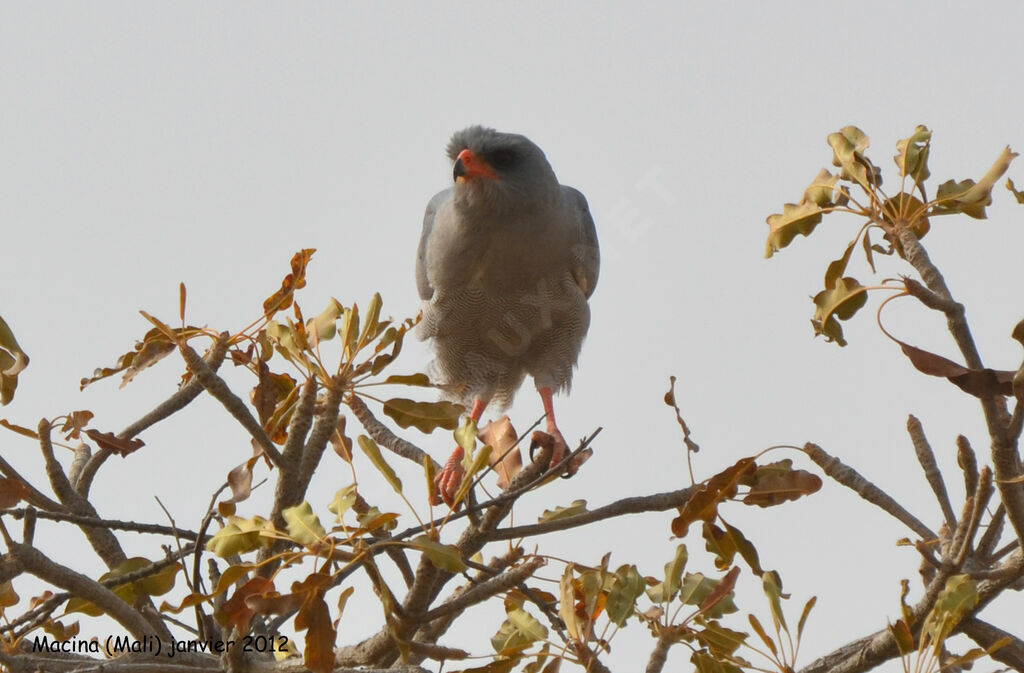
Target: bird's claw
<point x="448" y="481"/>
<point x="559" y="450"/>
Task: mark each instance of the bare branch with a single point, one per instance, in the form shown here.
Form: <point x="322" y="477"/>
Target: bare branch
<point x="383" y="435"/>
<point x="926" y="457"/>
<point x="480" y="592"/>
<point x="658" y="502"/>
<point x="36" y="563"/>
<point x="220" y="391"/>
<point x="1006" y="459"/>
<point x="34" y="496"/>
<point x="96" y="522"/>
<point x="176" y="402"/>
<point x="986" y="635"/>
<point x="101" y="539"/>
<point x="320" y="437"/>
<point x="850" y="478"/>
<point x="968" y="463"/>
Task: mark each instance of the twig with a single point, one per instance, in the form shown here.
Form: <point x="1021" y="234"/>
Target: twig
<point x="850" y="478"/>
<point x="1006" y="459"/>
<point x="926" y="457"/>
<point x="486" y="589"/>
<point x="176" y="402"/>
<point x="78" y="584"/>
<point x="658" y="502"/>
<point x="220" y="391"/>
<point x="383" y="435"/>
<point x="994" y="531"/>
<point x="986" y="635"/>
<point x="102" y="540"/>
<point x="968" y="463"/>
<point x="94" y="521"/>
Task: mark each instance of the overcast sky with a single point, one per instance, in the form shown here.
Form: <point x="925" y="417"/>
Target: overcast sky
<point x="149" y="144"/>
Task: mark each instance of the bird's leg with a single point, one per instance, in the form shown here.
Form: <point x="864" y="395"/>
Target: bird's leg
<point x="561" y="449"/>
<point x="450" y="477"/>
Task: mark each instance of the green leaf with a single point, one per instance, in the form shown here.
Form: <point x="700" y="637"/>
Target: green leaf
<point x="795" y="219"/>
<point x="465" y="436"/>
<point x="238" y="536"/>
<point x="804" y="615"/>
<point x="848" y="147"/>
<point x="157" y="584"/>
<point x="424" y="416"/>
<point x="371" y="449"/>
<point x="575" y="508"/>
<point x="839" y="302"/>
<point x="956" y="599"/>
<point x="755" y="623"/>
<point x="325" y="325"/>
<point x="343" y="501"/>
<point x="350" y="330"/>
<point x="696" y="588"/>
<point x="912" y="154"/>
<point x="443" y="556"/>
<point x="371" y="324"/>
<point x="706" y="663"/>
<point x="822" y="191"/>
<point x="720" y="641"/>
<point x="771" y="584"/>
<point x="665" y="591"/>
<point x="420" y="380"/>
<point x="303" y="525"/>
<point x="518" y="632"/>
<point x="627" y="586"/>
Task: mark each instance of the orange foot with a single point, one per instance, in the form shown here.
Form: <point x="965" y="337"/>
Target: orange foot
<point x="449" y="479"/>
<point x="559" y="450"/>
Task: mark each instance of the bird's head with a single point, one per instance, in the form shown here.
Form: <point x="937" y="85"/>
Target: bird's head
<point x="499" y="171"/>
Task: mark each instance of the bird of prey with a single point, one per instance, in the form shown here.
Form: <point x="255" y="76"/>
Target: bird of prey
<point x="507" y="260"/>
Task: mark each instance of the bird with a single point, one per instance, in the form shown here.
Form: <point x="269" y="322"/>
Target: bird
<point x="506" y="264"/>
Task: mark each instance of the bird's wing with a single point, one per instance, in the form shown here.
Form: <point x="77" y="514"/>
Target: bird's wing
<point x="586" y="255"/>
<point x="422" y="281"/>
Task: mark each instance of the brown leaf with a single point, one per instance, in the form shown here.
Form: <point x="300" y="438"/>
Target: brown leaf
<point x="153" y="350"/>
<point x="275" y="397"/>
<point x="26" y="432"/>
<point x="273" y="603"/>
<point x="235" y="611"/>
<point x="74" y="423"/>
<point x="240" y="479"/>
<point x="12" y="491"/>
<point x="108" y="440"/>
<point x="315" y="619"/>
<point x="127" y="360"/>
<point x="340" y="442"/>
<point x="776" y="483"/>
<point x="722" y="589"/>
<point x="295" y="280"/>
<point x="981" y="383"/>
<point x="704" y="503"/>
<point x="506" y="458"/>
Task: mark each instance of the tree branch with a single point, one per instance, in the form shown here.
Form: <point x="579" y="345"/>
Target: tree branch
<point x="850" y="478"/>
<point x="926" y="457"/>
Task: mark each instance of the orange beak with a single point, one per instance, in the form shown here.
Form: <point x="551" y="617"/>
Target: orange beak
<point x="469" y="165"/>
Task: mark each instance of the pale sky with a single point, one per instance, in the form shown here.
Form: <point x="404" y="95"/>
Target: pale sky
<point x="145" y="145"/>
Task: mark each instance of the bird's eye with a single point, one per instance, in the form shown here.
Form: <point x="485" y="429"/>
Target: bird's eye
<point x="501" y="158"/>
